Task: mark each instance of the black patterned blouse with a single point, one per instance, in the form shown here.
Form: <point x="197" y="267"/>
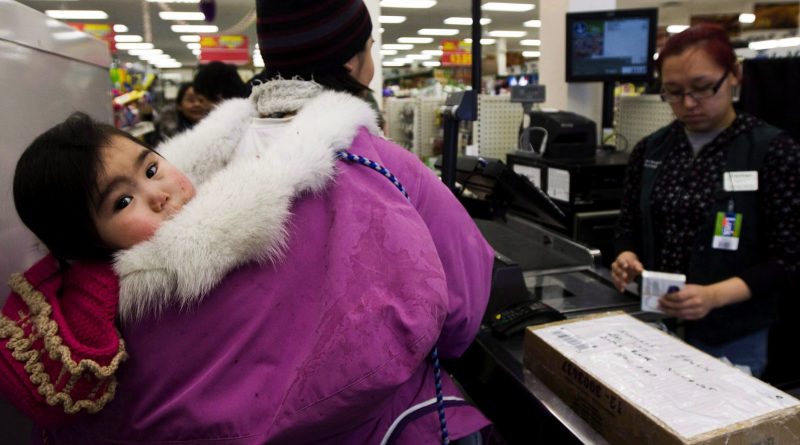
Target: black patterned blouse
<point x="682" y="197"/>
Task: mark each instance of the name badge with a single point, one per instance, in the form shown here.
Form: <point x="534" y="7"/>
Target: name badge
<point x="744" y="181"/>
<point x="727" y="230"/>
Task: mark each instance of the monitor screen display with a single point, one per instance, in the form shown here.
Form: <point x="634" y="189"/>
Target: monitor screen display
<point x="611" y="45"/>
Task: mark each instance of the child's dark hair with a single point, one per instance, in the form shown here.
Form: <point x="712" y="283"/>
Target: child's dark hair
<point x="55" y="185"/>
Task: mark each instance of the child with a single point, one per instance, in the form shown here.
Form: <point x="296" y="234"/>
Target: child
<point x="88" y="190"/>
<point x="327" y="338"/>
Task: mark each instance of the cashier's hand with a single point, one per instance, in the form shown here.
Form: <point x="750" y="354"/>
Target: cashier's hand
<point x="625" y="269"/>
<point x="693" y="302"/>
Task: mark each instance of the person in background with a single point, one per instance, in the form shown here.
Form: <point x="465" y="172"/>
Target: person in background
<point x="335" y="340"/>
<point x="713" y="196"/>
<point x="189" y="108"/>
<point x="218" y="81"/>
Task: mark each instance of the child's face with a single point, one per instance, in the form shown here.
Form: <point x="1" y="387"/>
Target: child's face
<point x="138" y="190"/>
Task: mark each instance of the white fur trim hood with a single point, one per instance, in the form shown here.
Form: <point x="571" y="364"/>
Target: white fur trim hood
<point x="243" y="202"/>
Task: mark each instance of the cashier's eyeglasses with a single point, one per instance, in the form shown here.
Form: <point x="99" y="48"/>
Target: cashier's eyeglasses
<point x="697" y="95"/>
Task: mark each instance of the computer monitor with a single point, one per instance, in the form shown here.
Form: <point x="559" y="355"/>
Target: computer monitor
<point x="609" y="46"/>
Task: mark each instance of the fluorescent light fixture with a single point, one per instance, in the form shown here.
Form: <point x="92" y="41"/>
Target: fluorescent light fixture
<point x="415" y="4"/>
<point x="432" y="63"/>
<point x="415" y="40"/>
<point x="388" y="63"/>
<point x="127" y="38"/>
<point x="747" y="18"/>
<point x="193" y="45"/>
<point x="173" y="1"/>
<point x="120" y="28"/>
<point x="674" y="29"/>
<point x="419" y="57"/>
<point x="201" y="29"/>
<point x="532" y="24"/>
<point x="400" y="46"/>
<point x="432" y="52"/>
<point x="530" y="54"/>
<point x="388" y="52"/>
<point x="196" y="52"/>
<point x="507" y="33"/>
<point x="483" y="41"/>
<point x="530" y="42"/>
<point x="190" y="38"/>
<point x="775" y="43"/>
<point x="507" y="7"/>
<point x="69" y="35"/>
<point x="381" y="30"/>
<point x="66" y="14"/>
<point x="174" y="15"/>
<point x="391" y="19"/>
<point x="402" y="60"/>
<point x="464" y="21"/>
<point x="154" y="57"/>
<point x="437" y="32"/>
<point x="145" y="52"/>
<point x="138" y="45"/>
<point x="171" y="64"/>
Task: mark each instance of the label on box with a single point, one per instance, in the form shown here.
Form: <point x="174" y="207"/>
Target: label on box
<point x="689" y="391"/>
<point x="558" y="184"/>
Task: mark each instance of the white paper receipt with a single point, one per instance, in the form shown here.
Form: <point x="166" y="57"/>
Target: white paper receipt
<point x="744" y="181"/>
<point x="656" y="284"/>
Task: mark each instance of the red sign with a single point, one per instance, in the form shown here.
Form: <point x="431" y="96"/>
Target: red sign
<point x="102" y="31"/>
<point x="228" y="49"/>
<point x="456" y="53"/>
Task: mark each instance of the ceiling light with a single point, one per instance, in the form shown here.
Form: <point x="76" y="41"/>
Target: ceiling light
<point x="174" y="1"/>
<point x="202" y="29"/>
<point x="432" y="52"/>
<point x="674" y="29"/>
<point x="417" y="4"/>
<point x="400" y="46"/>
<point x="127" y="38"/>
<point x="415" y="40"/>
<point x="747" y="18"/>
<point x="153" y="57"/>
<point x="432" y="63"/>
<point x="507" y="33"/>
<point x="387" y="63"/>
<point x="388" y="52"/>
<point x="193" y="45"/>
<point x="437" y="32"/>
<point x="532" y="24"/>
<point x="530" y="42"/>
<point x="196" y="52"/>
<point x="464" y="21"/>
<point x="134" y="46"/>
<point x="402" y="60"/>
<point x="391" y="19"/>
<point x="170" y="64"/>
<point x="120" y="28"/>
<point x="381" y="30"/>
<point x="173" y="15"/>
<point x="62" y="14"/>
<point x="530" y="54"/>
<point x="69" y="35"/>
<point x="483" y="41"/>
<point x="508" y="7"/>
<point x="190" y="38"/>
<point x="145" y="52"/>
<point x="419" y="57"/>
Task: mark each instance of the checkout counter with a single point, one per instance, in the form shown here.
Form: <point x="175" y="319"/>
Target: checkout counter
<point x="534" y="267"/>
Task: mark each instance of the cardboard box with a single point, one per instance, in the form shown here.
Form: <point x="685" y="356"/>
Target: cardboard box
<point x="638" y="385"/>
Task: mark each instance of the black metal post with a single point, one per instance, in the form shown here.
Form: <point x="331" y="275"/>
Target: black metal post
<point x="476" y="47"/>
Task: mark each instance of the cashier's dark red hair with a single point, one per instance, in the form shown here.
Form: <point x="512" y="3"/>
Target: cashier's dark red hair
<point x="713" y="39"/>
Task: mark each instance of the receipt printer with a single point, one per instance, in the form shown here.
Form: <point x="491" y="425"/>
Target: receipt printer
<point x="561" y="134"/>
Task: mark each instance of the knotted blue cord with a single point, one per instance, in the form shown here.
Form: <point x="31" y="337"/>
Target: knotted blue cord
<point x="437" y="369"/>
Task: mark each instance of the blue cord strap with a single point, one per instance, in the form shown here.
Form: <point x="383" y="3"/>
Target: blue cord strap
<point x="437" y="368"/>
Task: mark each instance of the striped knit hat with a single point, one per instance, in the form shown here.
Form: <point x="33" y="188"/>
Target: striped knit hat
<point x="306" y="35"/>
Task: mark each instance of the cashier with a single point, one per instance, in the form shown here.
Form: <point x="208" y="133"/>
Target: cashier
<point x="715" y="195"/>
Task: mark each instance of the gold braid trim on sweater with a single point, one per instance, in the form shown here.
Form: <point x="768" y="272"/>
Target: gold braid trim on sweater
<point x="21" y="349"/>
